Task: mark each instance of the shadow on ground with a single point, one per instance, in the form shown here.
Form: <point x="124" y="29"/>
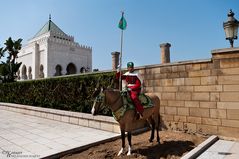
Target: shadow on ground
<point x="166" y="149"/>
<point x="173" y="145"/>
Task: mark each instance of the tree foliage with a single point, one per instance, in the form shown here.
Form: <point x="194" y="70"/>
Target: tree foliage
<point x="9" y="68"/>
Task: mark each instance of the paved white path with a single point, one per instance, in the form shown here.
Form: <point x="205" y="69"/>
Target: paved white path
<point x="29" y="137"/>
<point x="222" y="149"/>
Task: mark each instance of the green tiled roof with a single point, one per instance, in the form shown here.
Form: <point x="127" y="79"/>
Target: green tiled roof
<point x="49" y="26"/>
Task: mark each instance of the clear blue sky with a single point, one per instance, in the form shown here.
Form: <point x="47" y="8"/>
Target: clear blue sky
<point x="193" y="27"/>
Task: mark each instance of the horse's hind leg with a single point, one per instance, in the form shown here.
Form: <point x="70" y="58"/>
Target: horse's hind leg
<point x="157" y="129"/>
<point x="152" y="130"/>
<point x="158" y="139"/>
<point x="129" y="136"/>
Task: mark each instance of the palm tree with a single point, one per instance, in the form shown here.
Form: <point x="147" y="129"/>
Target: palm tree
<point x="9" y="68"/>
<point x="1" y="52"/>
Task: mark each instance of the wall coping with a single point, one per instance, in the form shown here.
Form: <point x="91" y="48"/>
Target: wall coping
<point x="58" y="112"/>
<point x="163" y="65"/>
<point x="175" y="63"/>
<point x="160" y="65"/>
<point x="225" y="50"/>
<point x="99" y="122"/>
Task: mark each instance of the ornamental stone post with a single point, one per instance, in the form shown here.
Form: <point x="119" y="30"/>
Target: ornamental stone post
<point x="115" y="60"/>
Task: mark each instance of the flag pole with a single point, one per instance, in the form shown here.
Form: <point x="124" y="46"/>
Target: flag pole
<point x="120" y="60"/>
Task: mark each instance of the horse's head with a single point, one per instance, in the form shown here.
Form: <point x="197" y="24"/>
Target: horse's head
<point x="110" y="98"/>
<point x="98" y="102"/>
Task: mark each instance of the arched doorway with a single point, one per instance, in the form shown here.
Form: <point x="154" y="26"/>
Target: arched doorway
<point x="18" y="75"/>
<point x="41" y="74"/>
<point x="29" y="72"/>
<point x="58" y="69"/>
<point x="24" y="72"/>
<point x="82" y="70"/>
<point x="70" y="69"/>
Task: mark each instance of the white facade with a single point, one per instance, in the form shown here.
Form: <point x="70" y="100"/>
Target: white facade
<point x="51" y="52"/>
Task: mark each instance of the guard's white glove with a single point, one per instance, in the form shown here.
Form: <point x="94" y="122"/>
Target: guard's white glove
<point x="125" y="89"/>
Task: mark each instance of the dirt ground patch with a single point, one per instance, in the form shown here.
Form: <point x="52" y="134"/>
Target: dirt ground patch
<point x="173" y="145"/>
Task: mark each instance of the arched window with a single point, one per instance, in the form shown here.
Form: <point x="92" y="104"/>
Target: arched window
<point x="70" y="69"/>
<point x="58" y="69"/>
<point x="29" y="72"/>
<point x="24" y="72"/>
<point x="41" y="74"/>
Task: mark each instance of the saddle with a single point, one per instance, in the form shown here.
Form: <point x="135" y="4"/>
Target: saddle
<point x="129" y="105"/>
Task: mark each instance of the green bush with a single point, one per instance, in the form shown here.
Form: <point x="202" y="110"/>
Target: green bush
<point x="73" y="93"/>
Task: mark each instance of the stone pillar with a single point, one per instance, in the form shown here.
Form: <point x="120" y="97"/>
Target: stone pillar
<point x="35" y="61"/>
<point x="165" y="52"/>
<point x="225" y="58"/>
<point x="115" y="60"/>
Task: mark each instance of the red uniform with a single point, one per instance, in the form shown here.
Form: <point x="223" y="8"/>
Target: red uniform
<point x="133" y="82"/>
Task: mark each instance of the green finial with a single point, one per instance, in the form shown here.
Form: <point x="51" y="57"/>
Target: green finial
<point x="49" y="25"/>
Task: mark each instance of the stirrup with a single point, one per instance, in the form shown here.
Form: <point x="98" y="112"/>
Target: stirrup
<point x="141" y="115"/>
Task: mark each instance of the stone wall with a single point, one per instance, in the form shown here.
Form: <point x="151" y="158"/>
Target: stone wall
<point x="198" y="96"/>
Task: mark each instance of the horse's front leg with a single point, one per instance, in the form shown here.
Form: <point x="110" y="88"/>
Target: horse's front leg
<point x="123" y="142"/>
<point x="157" y="129"/>
<point x="129" y="136"/>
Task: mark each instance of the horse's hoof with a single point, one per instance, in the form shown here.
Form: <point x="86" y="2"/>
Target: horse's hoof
<point x="120" y="152"/>
<point x="129" y="153"/>
<point x="150" y="140"/>
<point x="158" y="139"/>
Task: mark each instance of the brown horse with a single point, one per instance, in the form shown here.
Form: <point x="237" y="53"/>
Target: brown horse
<point x="113" y="99"/>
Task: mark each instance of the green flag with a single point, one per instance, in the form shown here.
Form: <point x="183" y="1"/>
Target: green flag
<point x="122" y="23"/>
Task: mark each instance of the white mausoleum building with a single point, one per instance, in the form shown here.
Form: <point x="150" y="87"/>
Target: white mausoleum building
<point x="51" y="52"/>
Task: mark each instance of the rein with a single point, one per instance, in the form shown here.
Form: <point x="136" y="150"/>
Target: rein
<point x="117" y="114"/>
<point x="113" y="103"/>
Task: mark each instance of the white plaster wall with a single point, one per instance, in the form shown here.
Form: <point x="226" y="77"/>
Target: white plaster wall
<point x="42" y="54"/>
<point x="53" y="51"/>
<point x="25" y="56"/>
<point x="26" y="60"/>
<point x="63" y="54"/>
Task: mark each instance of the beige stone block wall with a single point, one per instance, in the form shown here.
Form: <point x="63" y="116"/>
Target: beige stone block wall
<point x="228" y="131"/>
<point x="198" y="96"/>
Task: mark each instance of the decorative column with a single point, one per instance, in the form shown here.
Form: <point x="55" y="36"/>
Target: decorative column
<point x="115" y="60"/>
<point x="165" y="52"/>
<point x="35" y="61"/>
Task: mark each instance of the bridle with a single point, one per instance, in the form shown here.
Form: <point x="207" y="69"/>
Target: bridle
<point x="101" y="98"/>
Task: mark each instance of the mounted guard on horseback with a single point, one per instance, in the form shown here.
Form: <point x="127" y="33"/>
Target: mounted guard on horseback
<point x="132" y="84"/>
<point x="119" y="104"/>
<point x="124" y="107"/>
